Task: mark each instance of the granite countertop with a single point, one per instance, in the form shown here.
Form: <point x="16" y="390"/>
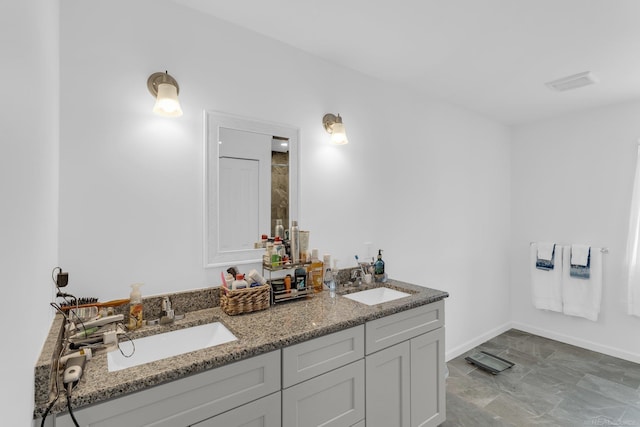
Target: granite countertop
<point x="259" y="332"/>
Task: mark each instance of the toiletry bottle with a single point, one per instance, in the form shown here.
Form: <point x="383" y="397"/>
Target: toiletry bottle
<point x="316" y="269"/>
<point x="267" y="257"/>
<point x="300" y="277"/>
<point x="295" y="242"/>
<point x="278" y="251"/>
<point x="329" y="282"/>
<point x="287" y="283"/>
<point x="239" y="283"/>
<point x="378" y="267"/>
<point x="135" y="307"/>
<point x="279" y="232"/>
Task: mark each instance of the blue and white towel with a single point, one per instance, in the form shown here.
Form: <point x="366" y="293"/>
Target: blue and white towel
<point x="582" y="296"/>
<point x="545" y="255"/>
<point x="580" y="266"/>
<point x="546" y="283"/>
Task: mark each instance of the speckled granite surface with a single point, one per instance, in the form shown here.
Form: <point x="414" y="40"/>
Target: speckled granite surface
<point x="259" y="332"/>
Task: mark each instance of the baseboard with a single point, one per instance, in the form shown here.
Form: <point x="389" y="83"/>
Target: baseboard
<point x="455" y="352"/>
<point x="589" y="345"/>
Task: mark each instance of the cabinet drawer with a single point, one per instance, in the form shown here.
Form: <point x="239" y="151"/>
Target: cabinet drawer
<point x="265" y="412"/>
<point x="309" y="359"/>
<point x="334" y="399"/>
<point x="188" y="400"/>
<point x="387" y="331"/>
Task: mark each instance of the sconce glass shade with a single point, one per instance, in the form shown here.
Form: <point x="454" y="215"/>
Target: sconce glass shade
<point x="165" y="89"/>
<point x="339" y="135"/>
<point x="167" y="103"/>
<point x="333" y="125"/>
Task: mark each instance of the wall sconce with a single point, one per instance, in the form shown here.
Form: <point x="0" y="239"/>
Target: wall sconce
<point x="333" y="125"/>
<point x="165" y="89"/>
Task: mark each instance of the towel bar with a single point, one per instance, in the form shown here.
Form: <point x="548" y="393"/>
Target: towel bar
<point x="603" y="250"/>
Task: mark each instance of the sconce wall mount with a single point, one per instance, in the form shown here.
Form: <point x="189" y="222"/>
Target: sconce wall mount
<point x="334" y="126"/>
<point x="165" y="90"/>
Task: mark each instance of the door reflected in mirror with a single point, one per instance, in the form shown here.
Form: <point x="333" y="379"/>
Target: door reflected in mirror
<point x="250" y="182"/>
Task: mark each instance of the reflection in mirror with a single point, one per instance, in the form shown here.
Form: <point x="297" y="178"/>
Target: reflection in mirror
<point x="279" y="181"/>
<point x="250" y="182"/>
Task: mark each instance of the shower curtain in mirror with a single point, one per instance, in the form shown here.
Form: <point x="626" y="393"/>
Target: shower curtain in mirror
<point x="633" y="242"/>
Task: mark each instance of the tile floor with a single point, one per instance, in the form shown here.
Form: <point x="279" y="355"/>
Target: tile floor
<point x="552" y="384"/>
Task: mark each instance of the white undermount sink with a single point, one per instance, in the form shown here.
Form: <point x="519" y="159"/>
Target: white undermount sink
<point x="377" y="295"/>
<point x="168" y="344"/>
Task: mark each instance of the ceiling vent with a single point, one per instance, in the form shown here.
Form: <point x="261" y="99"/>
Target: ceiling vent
<point x="573" y="82"/>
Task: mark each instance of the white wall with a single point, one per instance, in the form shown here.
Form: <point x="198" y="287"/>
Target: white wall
<point x="29" y="190"/>
<point x="447" y="223"/>
<point x="425" y="181"/>
<point x="571" y="183"/>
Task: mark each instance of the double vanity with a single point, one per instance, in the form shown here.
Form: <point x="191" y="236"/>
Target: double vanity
<point x="345" y="359"/>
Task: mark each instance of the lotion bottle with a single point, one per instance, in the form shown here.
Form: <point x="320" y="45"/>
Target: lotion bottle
<point x="239" y="283"/>
<point x="135" y="307"/>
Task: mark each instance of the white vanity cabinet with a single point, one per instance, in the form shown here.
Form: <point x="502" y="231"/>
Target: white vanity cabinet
<point x="405" y="384"/>
<point x="324" y="381"/>
<point x="387" y="372"/>
<point x="190" y="400"/>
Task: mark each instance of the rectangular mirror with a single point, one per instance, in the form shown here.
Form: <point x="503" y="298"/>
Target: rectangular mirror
<point x="250" y="181"/>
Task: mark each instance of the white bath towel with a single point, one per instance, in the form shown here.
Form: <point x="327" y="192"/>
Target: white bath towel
<point x="545" y="250"/>
<point x="546" y="285"/>
<point x="580" y="255"/>
<point x="582" y="297"/>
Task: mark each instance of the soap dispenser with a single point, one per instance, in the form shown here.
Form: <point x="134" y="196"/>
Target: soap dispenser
<point x="135" y="307"/>
<point x="378" y="267"/>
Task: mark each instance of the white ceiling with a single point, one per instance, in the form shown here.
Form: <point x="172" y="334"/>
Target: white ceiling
<point x="491" y="56"/>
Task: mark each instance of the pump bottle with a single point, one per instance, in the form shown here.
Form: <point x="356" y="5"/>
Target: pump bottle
<point x="135" y="307"/>
<point x="378" y="267"/>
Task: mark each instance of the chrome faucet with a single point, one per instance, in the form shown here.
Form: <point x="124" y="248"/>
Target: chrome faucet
<point x="168" y="315"/>
<point x="357" y="274"/>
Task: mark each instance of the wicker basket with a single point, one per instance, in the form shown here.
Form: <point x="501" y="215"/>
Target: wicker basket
<point x="245" y="300"/>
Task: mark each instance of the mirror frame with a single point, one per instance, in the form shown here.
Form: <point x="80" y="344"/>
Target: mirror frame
<point x="213" y="121"/>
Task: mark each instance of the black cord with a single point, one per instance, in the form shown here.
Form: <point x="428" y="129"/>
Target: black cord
<point x="133" y="344"/>
<point x="53" y="272"/>
<point x="44" y="416"/>
<point x="61" y="311"/>
<point x="73" y="417"/>
<point x="54" y="371"/>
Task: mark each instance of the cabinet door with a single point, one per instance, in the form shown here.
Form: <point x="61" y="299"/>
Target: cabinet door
<point x="427" y="380"/>
<point x="389" y="386"/>
<point x="263" y="412"/>
<point x="334" y="399"/>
